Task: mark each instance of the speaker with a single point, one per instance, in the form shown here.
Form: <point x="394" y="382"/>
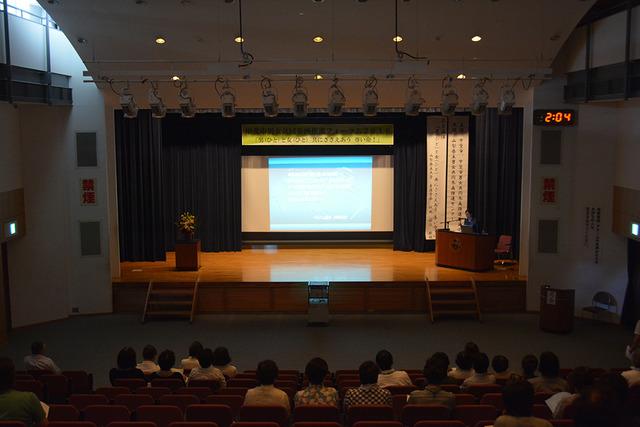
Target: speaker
<point x="86" y="153"/>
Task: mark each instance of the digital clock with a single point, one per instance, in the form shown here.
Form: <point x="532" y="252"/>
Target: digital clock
<point x="555" y="117"/>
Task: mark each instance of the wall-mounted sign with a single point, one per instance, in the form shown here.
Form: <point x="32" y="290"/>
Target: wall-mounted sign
<point x="555" y="117"/>
<point x="312" y="134"/>
<point x="549" y="190"/>
<point x="88" y="195"/>
<point x="635" y="229"/>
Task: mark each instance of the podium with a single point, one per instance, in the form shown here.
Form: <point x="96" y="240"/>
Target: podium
<point x="474" y="252"/>
<point x="557" y="309"/>
<point x="188" y="255"/>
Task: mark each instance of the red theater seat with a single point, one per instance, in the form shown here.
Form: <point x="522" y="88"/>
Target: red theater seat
<point x="480" y="390"/>
<point x="465" y="399"/>
<point x="378" y="424"/>
<point x="233" y="402"/>
<point x="233" y="391"/>
<point x="102" y="415"/>
<point x="440" y="423"/>
<point x="131" y="383"/>
<point x="155" y="392"/>
<point x="71" y="424"/>
<point x="316" y="424"/>
<point x="254" y="424"/>
<point x="133" y="401"/>
<point x="172" y="384"/>
<point x="211" y="384"/>
<point x="193" y="424"/>
<point x="369" y="413"/>
<point x="131" y="424"/>
<point x="494" y="399"/>
<point x="200" y="392"/>
<point x="161" y="415"/>
<point x="242" y="382"/>
<point x="56" y="388"/>
<point x="562" y="423"/>
<point x="322" y="413"/>
<point x="398" y="402"/>
<point x="219" y="414"/>
<point x="63" y="413"/>
<point x="276" y="414"/>
<point x="112" y="392"/>
<point x="80" y="382"/>
<point x="411" y="414"/>
<point x="541" y="411"/>
<point x="401" y="389"/>
<point x="179" y="400"/>
<point x="34" y="386"/>
<point x="471" y="414"/>
<point x="81" y="401"/>
<point x="12" y="424"/>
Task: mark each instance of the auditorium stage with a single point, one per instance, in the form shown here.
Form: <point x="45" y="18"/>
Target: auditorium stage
<point x="272" y="278"/>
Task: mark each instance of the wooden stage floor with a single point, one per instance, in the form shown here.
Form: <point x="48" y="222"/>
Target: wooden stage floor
<point x="274" y="264"/>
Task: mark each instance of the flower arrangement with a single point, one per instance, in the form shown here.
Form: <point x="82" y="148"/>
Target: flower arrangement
<point x="187" y="223"/>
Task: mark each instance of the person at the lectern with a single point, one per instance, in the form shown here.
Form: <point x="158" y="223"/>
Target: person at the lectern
<point x="470" y="221"/>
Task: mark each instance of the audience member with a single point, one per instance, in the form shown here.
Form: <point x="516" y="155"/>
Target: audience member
<point x="471" y="349"/>
<point x="444" y="359"/>
<point x="518" y="404"/>
<point x="222" y="361"/>
<point x="206" y="370"/>
<point x="529" y="366"/>
<point x="37" y="361"/>
<point x="191" y="362"/>
<point x="266" y="394"/>
<point x="389" y="376"/>
<point x="604" y="405"/>
<point x="148" y="365"/>
<point x="435" y="372"/>
<point x="463" y="369"/>
<point x="126" y="366"/>
<point x="17" y="405"/>
<point x="549" y="380"/>
<point x="166" y="361"/>
<point x="635" y="342"/>
<point x="633" y="375"/>
<point x="580" y="380"/>
<point x="480" y="376"/>
<point x="369" y="392"/>
<point x="316" y="393"/>
<point x="500" y="366"/>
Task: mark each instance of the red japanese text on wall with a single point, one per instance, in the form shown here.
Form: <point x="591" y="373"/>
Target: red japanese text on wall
<point x="549" y="190"/>
<point x="88" y="196"/>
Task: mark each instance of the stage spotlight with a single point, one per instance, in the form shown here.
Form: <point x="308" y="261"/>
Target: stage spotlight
<point x="414" y="98"/>
<point x="300" y="99"/>
<point x="227" y="98"/>
<point x="370" y="97"/>
<point x="128" y="104"/>
<point x="336" y="99"/>
<point x="480" y="99"/>
<point x="507" y="100"/>
<point x="269" y="98"/>
<point x="449" y="98"/>
<point x="158" y="109"/>
<point x="187" y="104"/>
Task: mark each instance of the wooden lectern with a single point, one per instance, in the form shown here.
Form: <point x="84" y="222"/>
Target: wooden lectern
<point x="474" y="252"/>
<point x="557" y="309"/>
<point x="188" y="255"/>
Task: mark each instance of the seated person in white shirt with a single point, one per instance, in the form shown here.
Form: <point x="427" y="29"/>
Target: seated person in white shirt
<point x="464" y="367"/>
<point x="148" y="365"/>
<point x="389" y="376"/>
<point x="633" y="375"/>
<point x="266" y="394"/>
<point x="222" y="361"/>
<point x="207" y="371"/>
<point x="191" y="362"/>
<point x="37" y="361"/>
<point x="518" y="406"/>
<point x="480" y="376"/>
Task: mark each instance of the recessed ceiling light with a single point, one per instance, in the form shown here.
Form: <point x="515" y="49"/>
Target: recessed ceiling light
<point x="175" y="78"/>
<point x="160" y="40"/>
<point x="318" y="39"/>
<point x="476" y="38"/>
<point x="397" y="39"/>
<point x="318" y="77"/>
<point x="461" y="76"/>
<point x="239" y="39"/>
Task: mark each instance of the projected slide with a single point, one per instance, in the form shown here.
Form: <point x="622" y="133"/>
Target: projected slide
<point x="320" y="193"/>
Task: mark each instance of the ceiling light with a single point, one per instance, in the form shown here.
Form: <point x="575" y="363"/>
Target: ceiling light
<point x="461" y="76"/>
<point x="414" y="98"/>
<point x="318" y="77"/>
<point x="507" y="100"/>
<point x="269" y="98"/>
<point x="160" y="40"/>
<point x="449" y="98"/>
<point x="397" y="39"/>
<point x="128" y="104"/>
<point x="370" y="97"/>
<point x="336" y="99"/>
<point x="476" y="38"/>
<point x="480" y="99"/>
<point x="158" y="109"/>
<point x="239" y="39"/>
<point x="227" y="98"/>
<point x="175" y="78"/>
<point x="187" y="104"/>
<point x="300" y="99"/>
<point x="318" y="39"/>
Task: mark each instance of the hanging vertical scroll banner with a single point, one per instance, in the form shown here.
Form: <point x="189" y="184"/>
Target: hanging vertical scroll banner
<point x="447" y="172"/>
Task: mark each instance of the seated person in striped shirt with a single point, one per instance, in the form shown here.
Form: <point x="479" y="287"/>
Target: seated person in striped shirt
<point x="435" y="372"/>
<point x="369" y="392"/>
<point x="266" y="394"/>
<point x="316" y="393"/>
<point x="389" y="376"/>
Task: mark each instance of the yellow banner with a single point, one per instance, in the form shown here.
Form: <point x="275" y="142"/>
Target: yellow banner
<point x="311" y="134"/>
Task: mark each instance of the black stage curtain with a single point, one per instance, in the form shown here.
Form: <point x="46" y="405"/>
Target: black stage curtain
<point x="495" y="173"/>
<point x="631" y="307"/>
<point x="201" y="162"/>
<point x="140" y="203"/>
<point x="409" y="186"/>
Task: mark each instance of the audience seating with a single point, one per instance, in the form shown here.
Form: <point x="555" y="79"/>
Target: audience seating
<point x="34" y="386"/>
<point x="12" y="424"/>
<point x="233" y="402"/>
<point x="131" y="424"/>
<point x="316" y="413"/>
<point x="37" y="373"/>
<point x="56" y="388"/>
<point x="440" y="423"/>
<point x="171" y="383"/>
<point x="562" y="423"/>
<point x="157" y="392"/>
<point x="411" y="414"/>
<point x="81" y="401"/>
<point x="357" y="413"/>
<point x="234" y="391"/>
<point x="200" y="392"/>
<point x="401" y="389"/>
<point x="193" y="424"/>
<point x="465" y="399"/>
<point x="542" y="411"/>
<point x="471" y="414"/>
<point x="161" y="415"/>
<point x="131" y="383"/>
<point x="277" y="414"/>
<point x="179" y="400"/>
<point x="494" y="399"/>
<point x="242" y="382"/>
<point x="102" y="415"/>
<point x="211" y="384"/>
<point x="63" y="413"/>
<point x="255" y="424"/>
<point x="71" y="424"/>
<point x="80" y="382"/>
<point x="378" y="424"/>
<point x="112" y="392"/>
<point x="479" y="390"/>
<point x="541" y="397"/>
<point x="398" y="402"/>
<point x="451" y="388"/>
<point x="219" y="414"/>
<point x="133" y="401"/>
<point x="315" y="424"/>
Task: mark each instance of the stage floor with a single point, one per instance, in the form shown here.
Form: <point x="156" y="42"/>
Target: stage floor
<point x="278" y="264"/>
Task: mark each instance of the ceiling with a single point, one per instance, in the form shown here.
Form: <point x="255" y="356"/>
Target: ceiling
<point x="519" y="37"/>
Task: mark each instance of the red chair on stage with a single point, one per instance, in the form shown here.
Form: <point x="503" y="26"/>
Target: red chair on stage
<point x="179" y="400"/>
<point x="34" y="386"/>
<point x="161" y="415"/>
<point x="81" y="401"/>
<point x="131" y="383"/>
<point x="504" y="246"/>
<point x="276" y="414"/>
<point x="133" y="401"/>
<point x="412" y="414"/>
<point x="233" y="402"/>
<point x="155" y="392"/>
<point x="112" y="392"/>
<point x="219" y="414"/>
<point x="172" y="384"/>
<point x="63" y="413"/>
<point x="80" y="382"/>
<point x="102" y="415"/>
<point x="471" y="414"/>
<point x="357" y="413"/>
<point x="321" y="413"/>
<point x="200" y="392"/>
<point x="56" y="388"/>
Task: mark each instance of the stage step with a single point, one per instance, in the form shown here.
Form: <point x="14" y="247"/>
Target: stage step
<point x="171" y="300"/>
<point x="459" y="299"/>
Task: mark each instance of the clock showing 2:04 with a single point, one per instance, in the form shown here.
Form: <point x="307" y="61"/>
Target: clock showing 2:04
<point x="555" y="117"/>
